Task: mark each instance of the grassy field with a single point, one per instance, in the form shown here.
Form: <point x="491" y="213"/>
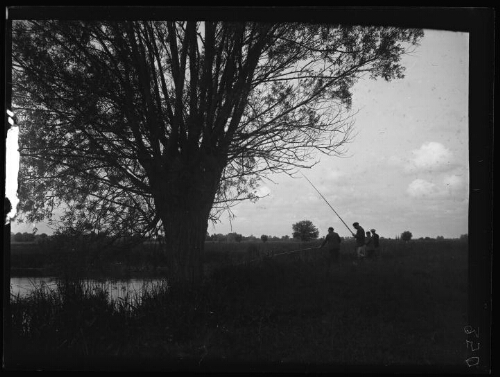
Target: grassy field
<point x="255" y="311"/>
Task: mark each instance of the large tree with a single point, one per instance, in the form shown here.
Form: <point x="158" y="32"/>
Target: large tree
<point x="140" y="127"/>
<point x="305" y="230"/>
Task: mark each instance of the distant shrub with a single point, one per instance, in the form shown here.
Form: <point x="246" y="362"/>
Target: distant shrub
<point x="406" y="236"/>
<point x="305" y="231"/>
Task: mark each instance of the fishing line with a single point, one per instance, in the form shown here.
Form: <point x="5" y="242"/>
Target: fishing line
<point x="327" y="203"/>
<point x="309" y="248"/>
<point x="274" y="255"/>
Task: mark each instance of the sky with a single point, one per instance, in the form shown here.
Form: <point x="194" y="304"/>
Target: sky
<point x="406" y="168"/>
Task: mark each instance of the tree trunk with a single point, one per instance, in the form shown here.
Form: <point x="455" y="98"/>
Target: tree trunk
<point x="185" y="233"/>
<point x="184" y="200"/>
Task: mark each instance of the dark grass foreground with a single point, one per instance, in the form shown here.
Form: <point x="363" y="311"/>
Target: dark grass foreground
<point x="406" y="308"/>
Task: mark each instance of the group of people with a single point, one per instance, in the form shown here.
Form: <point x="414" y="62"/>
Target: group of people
<point x="367" y="244"/>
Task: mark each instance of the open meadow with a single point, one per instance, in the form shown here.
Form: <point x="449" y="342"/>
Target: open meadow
<point x="257" y="308"/>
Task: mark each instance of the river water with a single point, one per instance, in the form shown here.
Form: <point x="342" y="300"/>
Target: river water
<point x="116" y="289"/>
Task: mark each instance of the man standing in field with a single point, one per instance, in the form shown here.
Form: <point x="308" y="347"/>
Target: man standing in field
<point x="360" y="240"/>
<point x="333" y="240"/>
<point x="376" y="243"/>
<point x="370" y="246"/>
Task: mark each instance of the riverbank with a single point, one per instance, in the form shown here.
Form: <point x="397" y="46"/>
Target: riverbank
<point x="108" y="272"/>
<point x="406" y="308"/>
<point x="147" y="260"/>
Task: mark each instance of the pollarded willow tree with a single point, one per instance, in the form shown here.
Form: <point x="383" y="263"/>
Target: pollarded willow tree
<point x="138" y="127"/>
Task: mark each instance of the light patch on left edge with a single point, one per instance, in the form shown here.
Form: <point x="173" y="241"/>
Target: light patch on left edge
<point x="11" y="166"/>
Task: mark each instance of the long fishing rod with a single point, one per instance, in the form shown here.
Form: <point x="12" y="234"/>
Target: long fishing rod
<point x="275" y="255"/>
<point x="327" y="203"/>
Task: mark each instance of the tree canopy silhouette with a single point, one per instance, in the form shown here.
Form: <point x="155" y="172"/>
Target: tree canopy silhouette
<point x="406" y="236"/>
<point x="305" y="230"/>
<point x="143" y="127"/>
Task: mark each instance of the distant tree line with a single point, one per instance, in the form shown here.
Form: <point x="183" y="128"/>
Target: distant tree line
<point x="236" y="237"/>
<point x="26" y="237"/>
<point x="303" y="231"/>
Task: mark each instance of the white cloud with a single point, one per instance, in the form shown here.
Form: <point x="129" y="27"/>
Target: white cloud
<point x="335" y="175"/>
<point x="455" y="186"/>
<point x="452" y="187"/>
<point x="262" y="191"/>
<point x="431" y="156"/>
<point x="453" y="181"/>
<point x="420" y="188"/>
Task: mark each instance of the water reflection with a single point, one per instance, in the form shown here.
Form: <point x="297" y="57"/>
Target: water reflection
<point x="125" y="290"/>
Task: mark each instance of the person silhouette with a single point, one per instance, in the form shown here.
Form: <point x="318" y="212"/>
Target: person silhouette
<point x="360" y="240"/>
<point x="369" y="244"/>
<point x="376" y="242"/>
<point x="333" y="240"/>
